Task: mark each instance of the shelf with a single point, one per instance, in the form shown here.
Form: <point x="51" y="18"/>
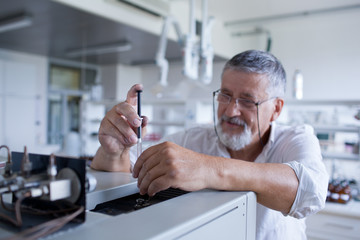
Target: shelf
<point x="345" y="156"/>
<point x="323" y="102"/>
<point x="333" y="123"/>
<point x="167" y="123"/>
<point x="331" y="129"/>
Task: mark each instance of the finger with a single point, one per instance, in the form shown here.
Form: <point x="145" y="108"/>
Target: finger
<point x="144" y="121"/>
<point x="159" y="184"/>
<point x="147" y="166"/>
<point x="126" y="110"/>
<point x="143" y="158"/>
<point x="132" y="94"/>
<point x="110" y="138"/>
<point x="117" y="126"/>
<point x="152" y="176"/>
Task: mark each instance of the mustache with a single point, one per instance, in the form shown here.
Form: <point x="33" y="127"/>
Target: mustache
<point x="233" y="120"/>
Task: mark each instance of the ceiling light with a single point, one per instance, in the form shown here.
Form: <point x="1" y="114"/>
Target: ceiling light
<point x="121" y="46"/>
<point x="14" y="22"/>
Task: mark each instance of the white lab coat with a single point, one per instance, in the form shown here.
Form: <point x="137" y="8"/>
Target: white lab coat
<point x="297" y="147"/>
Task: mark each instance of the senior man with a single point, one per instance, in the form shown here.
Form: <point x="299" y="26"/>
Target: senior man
<point x="247" y="150"/>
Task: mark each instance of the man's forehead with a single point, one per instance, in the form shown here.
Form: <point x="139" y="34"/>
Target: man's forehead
<point x="237" y="77"/>
<point x="243" y="84"/>
<point x="244" y="73"/>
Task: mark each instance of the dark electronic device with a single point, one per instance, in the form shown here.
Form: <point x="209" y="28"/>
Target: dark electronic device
<point x="46" y="192"/>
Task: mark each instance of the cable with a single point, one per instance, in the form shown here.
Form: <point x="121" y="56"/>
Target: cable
<point x="8" y="219"/>
<point x="4" y="205"/>
<point x="18" y="207"/>
<point x="18" y="221"/>
<point x="46" y="228"/>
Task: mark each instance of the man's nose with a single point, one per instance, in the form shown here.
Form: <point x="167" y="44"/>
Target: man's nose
<point x="233" y="109"/>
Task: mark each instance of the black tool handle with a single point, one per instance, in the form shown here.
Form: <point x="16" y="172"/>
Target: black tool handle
<point x="139" y="111"/>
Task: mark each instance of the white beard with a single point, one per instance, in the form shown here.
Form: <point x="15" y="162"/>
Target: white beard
<point x="234" y="141"/>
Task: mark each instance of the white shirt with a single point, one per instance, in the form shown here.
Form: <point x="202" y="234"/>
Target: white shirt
<point x="297" y="147"/>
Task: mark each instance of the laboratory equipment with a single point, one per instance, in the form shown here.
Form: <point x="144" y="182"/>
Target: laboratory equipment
<point x="40" y="194"/>
<point x="115" y="209"/>
<point x="195" y="52"/>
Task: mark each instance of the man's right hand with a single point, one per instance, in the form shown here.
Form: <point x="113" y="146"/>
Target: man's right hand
<point x="117" y="134"/>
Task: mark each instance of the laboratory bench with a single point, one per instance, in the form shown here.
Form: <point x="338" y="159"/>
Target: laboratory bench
<point x="205" y="214"/>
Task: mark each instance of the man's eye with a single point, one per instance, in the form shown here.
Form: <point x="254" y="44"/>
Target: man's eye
<point x="222" y="97"/>
<point x="246" y="103"/>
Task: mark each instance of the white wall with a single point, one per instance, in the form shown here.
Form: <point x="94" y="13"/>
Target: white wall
<point x="108" y="81"/>
<point x="127" y="77"/>
<point x="118" y="79"/>
<point x="23" y="82"/>
<point x="326" y="48"/>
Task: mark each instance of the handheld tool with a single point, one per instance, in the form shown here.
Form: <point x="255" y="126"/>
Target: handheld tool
<point x="139" y="143"/>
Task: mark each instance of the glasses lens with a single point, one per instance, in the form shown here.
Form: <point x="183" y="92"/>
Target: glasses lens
<point x="222" y="98"/>
<point x="246" y="104"/>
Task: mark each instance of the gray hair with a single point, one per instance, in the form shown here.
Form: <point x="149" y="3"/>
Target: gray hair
<point x="254" y="61"/>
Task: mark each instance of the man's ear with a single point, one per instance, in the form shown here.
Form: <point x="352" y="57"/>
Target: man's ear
<point x="278" y="105"/>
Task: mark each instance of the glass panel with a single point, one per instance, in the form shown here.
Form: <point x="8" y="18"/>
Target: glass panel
<point x="73" y="104"/>
<point x="54" y="120"/>
<point x="90" y="79"/>
<point x="64" y="78"/>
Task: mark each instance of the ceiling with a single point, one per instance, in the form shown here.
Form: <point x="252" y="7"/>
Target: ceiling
<point x="233" y="10"/>
<point x="58" y="28"/>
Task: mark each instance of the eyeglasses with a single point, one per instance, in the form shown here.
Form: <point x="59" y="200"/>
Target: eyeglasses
<point x="242" y="102"/>
<point x="246" y="104"/>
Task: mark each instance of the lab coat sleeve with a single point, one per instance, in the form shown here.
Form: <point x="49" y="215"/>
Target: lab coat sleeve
<point x="311" y="193"/>
<point x="312" y="175"/>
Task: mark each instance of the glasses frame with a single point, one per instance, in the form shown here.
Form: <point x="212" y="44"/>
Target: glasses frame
<point x="237" y="100"/>
<point x="257" y="104"/>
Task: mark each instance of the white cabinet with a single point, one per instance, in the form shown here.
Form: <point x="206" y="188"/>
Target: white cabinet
<point x="336" y="221"/>
<point x="22" y="98"/>
<point x="20" y="79"/>
<point x="20" y="121"/>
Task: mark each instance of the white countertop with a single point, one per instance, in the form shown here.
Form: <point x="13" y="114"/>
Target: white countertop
<point x="350" y="209"/>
